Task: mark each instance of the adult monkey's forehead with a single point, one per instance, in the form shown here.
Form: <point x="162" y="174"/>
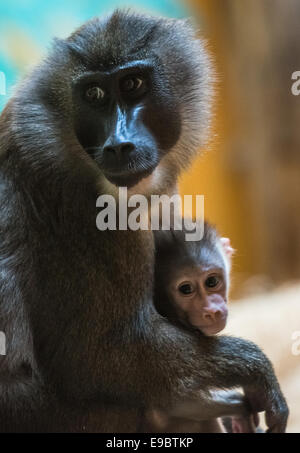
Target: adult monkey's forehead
<point x="129" y="68"/>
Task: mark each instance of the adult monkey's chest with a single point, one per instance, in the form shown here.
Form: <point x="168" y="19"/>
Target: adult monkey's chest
<point x="89" y="292"/>
<point x="94" y="265"/>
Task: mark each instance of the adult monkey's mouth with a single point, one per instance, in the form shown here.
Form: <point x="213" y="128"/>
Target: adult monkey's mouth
<point x="125" y="172"/>
<point x="127" y="178"/>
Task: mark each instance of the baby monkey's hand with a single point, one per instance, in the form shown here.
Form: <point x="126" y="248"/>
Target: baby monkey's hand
<point x="242" y="424"/>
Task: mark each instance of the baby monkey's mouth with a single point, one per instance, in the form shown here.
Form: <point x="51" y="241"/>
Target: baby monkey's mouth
<point x="209" y="331"/>
<point x="213" y="329"/>
<point x="210" y="327"/>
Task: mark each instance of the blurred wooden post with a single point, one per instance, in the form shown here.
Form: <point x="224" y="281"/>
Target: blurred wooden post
<point x="257" y="43"/>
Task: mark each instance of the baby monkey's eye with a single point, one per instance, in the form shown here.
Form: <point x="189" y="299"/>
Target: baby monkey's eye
<point x="212" y="281"/>
<point x="186" y="288"/>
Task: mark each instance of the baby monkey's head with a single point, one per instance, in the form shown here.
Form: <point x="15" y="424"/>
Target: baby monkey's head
<point x="192" y="279"/>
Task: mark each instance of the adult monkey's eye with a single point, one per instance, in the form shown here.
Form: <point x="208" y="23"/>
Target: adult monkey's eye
<point x="186" y="289"/>
<point x="131" y="84"/>
<point x="94" y="94"/>
<point x="212" y="281"/>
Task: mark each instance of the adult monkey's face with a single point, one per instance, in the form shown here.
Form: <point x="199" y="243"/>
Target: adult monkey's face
<point x="126" y="119"/>
<point x="132" y="91"/>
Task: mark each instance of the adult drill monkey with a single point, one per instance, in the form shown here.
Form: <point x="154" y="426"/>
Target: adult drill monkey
<point x="123" y="101"/>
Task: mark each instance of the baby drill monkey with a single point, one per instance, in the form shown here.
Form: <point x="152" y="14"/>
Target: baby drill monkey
<point x="192" y="279"/>
<point x="191" y="290"/>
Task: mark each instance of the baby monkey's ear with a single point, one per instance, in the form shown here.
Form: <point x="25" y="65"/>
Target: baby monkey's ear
<point x="228" y="250"/>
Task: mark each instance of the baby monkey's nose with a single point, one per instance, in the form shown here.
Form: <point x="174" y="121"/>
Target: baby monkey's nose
<point x="212" y="315"/>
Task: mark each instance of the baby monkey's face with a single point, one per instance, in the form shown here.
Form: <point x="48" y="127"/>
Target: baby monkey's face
<point x="199" y="295"/>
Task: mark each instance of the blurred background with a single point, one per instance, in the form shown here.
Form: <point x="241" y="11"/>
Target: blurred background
<point x="250" y="171"/>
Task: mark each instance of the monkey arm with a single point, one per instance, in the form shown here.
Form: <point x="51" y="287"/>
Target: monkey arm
<point x="191" y="414"/>
<point x="243" y="361"/>
<point x="22" y="396"/>
<point x="223" y="362"/>
<point x="219" y="404"/>
<point x="232" y="406"/>
<point x="21" y="402"/>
